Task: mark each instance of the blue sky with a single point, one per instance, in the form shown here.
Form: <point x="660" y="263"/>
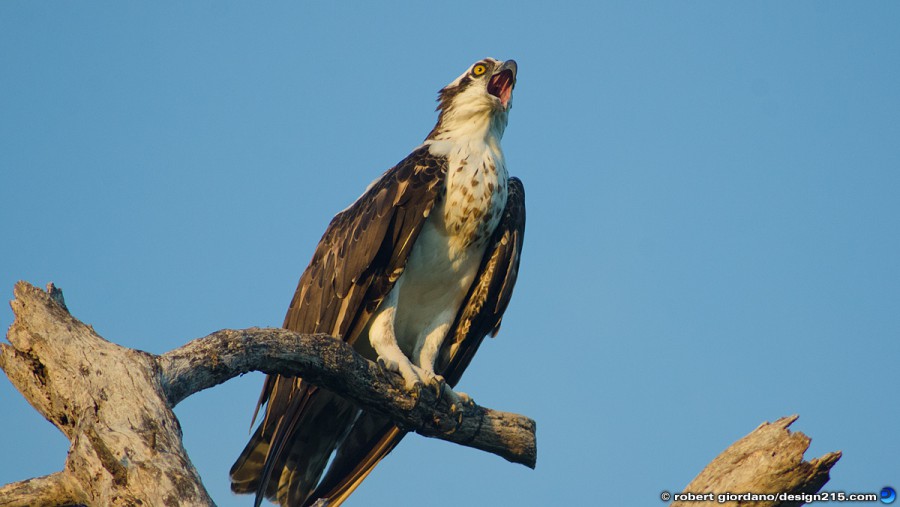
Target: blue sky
<point x="713" y="233"/>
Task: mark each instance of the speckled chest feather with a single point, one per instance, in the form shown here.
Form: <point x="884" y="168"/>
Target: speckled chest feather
<point x="475" y="196"/>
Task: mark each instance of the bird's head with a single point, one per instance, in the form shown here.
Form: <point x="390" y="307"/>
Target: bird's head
<point x="477" y="102"/>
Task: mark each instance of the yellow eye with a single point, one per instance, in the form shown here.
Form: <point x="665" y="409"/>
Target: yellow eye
<point x="479" y="70"/>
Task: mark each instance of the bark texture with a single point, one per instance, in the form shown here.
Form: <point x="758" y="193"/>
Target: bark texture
<point x="768" y="460"/>
<point x="108" y="401"/>
<point x="333" y="364"/>
<point x="114" y="404"/>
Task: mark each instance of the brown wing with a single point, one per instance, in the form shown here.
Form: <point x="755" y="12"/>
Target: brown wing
<point x="373" y="436"/>
<point x="355" y="265"/>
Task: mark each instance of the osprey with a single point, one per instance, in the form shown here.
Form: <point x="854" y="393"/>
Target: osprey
<point x="414" y="274"/>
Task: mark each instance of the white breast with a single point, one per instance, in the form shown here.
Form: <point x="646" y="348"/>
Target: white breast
<point x="448" y="251"/>
<point x="434" y="284"/>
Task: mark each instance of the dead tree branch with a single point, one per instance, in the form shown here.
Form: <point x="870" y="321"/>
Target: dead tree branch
<point x="115" y="404"/>
<point x="334" y="365"/>
<point x="767" y="461"/>
<point x="107" y="400"/>
<point x="53" y="489"/>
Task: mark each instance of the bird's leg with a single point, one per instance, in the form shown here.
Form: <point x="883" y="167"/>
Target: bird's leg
<point x="384" y="341"/>
<point x="425" y="355"/>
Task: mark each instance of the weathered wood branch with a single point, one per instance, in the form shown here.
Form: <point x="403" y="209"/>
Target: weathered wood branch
<point x="125" y="440"/>
<point x="53" y="489"/>
<point x="334" y="365"/>
<point x="767" y="461"/>
<point x="115" y="404"/>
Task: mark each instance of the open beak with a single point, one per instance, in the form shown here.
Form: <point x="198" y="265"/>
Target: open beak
<point x="503" y="81"/>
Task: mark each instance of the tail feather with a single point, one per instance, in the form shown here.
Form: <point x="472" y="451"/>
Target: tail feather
<point x="289" y="456"/>
<point x="371" y="439"/>
<point x="246" y="469"/>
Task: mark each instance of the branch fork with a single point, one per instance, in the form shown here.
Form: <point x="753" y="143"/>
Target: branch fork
<point x="115" y="404"/>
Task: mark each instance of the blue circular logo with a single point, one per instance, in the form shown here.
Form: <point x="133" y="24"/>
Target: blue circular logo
<point x="888" y="495"/>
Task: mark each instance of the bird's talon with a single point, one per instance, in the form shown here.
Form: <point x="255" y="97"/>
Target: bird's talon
<point x="438" y="387"/>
